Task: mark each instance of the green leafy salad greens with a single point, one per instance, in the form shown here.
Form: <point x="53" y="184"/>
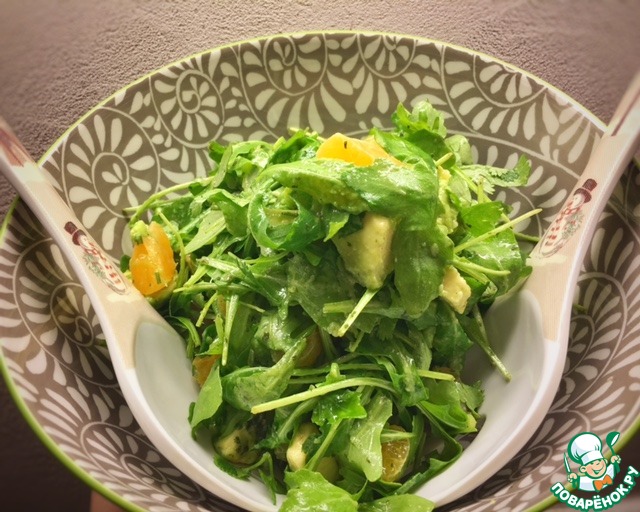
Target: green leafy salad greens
<point x="328" y="306"/>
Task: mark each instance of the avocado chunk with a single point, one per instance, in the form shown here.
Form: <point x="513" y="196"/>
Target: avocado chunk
<point x="367" y="252"/>
<point x="455" y="290"/>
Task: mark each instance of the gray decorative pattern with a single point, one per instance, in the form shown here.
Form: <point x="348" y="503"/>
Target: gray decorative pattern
<point x="155" y="133"/>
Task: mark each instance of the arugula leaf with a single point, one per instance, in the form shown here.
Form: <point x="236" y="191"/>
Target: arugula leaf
<point x="338" y="406"/>
<point x="400" y="365"/>
<point x="309" y="491"/>
<point x="400" y="148"/>
<point x="450" y="342"/>
<point x="312" y="286"/>
<point x="233" y="208"/>
<point x="239" y="163"/>
<point x="264" y="467"/>
<point x="300" y="146"/>
<point x="399" y="192"/>
<point x="321" y="179"/>
<point x="267" y="277"/>
<point x="279" y="333"/>
<point x="501" y="253"/>
<point x="249" y="386"/>
<point x="211" y="226"/>
<point x="420" y="259"/>
<point x="408" y="194"/>
<point x="209" y="398"/>
<point x="474" y="327"/>
<point x="239" y="329"/>
<point x="365" y="449"/>
<point x="435" y="461"/>
<point x="274" y="228"/>
<point x="445" y="403"/>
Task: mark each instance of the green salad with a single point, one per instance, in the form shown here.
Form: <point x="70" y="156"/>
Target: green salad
<point x="328" y="291"/>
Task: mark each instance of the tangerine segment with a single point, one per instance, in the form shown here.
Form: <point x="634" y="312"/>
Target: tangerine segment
<point x="356" y="151"/>
<point x="394" y="457"/>
<point x="312" y="351"/>
<point x="202" y="366"/>
<point x="152" y="265"/>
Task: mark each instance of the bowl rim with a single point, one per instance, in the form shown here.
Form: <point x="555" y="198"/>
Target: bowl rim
<point x="12" y="387"/>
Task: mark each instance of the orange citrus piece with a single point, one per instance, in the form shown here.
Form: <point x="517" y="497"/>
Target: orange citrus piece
<point x="153" y="268"/>
<point x="356" y="151"/>
<point x="394" y="457"/>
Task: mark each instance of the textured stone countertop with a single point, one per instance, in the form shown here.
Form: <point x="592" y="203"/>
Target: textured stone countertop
<point x="58" y="58"/>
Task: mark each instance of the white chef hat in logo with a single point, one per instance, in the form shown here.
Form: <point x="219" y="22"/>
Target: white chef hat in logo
<point x="585" y="448"/>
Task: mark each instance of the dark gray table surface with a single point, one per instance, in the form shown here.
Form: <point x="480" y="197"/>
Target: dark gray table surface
<point x="58" y="58"/>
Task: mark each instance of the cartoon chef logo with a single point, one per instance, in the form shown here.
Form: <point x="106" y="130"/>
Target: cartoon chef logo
<point x="595" y="472"/>
<point x="568" y="221"/>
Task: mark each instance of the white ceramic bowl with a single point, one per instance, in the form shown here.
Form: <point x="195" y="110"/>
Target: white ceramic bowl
<point x="154" y="133"/>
